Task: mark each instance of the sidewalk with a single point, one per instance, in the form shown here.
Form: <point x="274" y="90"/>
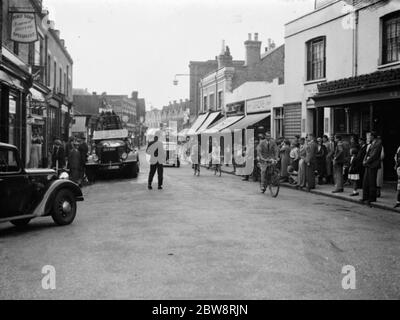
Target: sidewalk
<point x="386" y="201"/>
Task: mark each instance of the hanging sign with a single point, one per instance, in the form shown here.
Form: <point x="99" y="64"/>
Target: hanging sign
<point x="23" y="27"/>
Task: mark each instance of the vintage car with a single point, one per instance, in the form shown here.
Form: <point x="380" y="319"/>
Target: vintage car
<point x="112" y="152"/>
<point x="30" y="193"/>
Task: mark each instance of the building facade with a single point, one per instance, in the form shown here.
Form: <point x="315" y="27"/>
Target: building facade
<point x="342" y="71"/>
<point x="36" y="78"/>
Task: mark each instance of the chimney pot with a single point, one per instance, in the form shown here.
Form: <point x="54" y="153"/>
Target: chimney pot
<point x="250" y="36"/>
<point x="256" y="36"/>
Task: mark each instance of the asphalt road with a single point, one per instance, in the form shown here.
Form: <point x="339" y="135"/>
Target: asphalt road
<point x="204" y="237"/>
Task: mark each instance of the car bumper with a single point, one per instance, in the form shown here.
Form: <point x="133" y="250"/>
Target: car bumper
<point x="110" y="166"/>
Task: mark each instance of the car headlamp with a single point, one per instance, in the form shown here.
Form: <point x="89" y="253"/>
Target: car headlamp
<point x="64" y="175"/>
<point x="95" y="158"/>
<point x="124" y="156"/>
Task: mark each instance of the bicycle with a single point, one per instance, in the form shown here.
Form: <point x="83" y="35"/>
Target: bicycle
<point x="272" y="179"/>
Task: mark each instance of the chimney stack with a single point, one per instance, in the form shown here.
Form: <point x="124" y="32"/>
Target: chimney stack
<point x="134" y="95"/>
<point x="253" y="48"/>
<point x="225" y="58"/>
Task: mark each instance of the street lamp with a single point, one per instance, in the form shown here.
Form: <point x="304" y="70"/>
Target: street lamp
<point x="175" y="81"/>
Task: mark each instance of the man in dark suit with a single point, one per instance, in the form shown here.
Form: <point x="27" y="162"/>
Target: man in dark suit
<point x="311" y="161"/>
<point x="58" y="155"/>
<point x="372" y="162"/>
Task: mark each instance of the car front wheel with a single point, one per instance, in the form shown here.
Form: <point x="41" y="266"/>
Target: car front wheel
<point x="64" y="207"/>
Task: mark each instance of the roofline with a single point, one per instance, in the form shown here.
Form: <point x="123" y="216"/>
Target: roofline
<point x="63" y="49"/>
<point x="266" y="54"/>
<point x="315" y="10"/>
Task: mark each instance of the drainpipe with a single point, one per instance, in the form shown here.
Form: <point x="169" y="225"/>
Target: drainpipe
<point x="355" y="43"/>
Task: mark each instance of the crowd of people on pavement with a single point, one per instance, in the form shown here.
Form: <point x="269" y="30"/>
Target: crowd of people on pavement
<point x="306" y="162"/>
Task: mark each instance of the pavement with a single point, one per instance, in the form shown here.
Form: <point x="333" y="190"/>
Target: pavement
<point x="386" y="201"/>
<point x="204" y="237"/>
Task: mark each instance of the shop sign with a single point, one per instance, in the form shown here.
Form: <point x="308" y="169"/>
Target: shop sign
<point x="259" y="105"/>
<point x="23" y="27"/>
<point x="37" y="104"/>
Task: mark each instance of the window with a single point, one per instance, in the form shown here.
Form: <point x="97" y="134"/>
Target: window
<point x="391" y="38"/>
<point x="205" y="104"/>
<point x="60" y="79"/>
<point x="48" y="70"/>
<point x="67" y="92"/>
<point x="55" y="77"/>
<point x="212" y="100"/>
<point x="278" y="122"/>
<point x="220" y="100"/>
<point x="8" y="161"/>
<point x="316" y="59"/>
<point x="340" y="120"/>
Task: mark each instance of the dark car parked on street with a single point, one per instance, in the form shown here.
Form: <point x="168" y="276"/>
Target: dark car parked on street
<point x="30" y="193"/>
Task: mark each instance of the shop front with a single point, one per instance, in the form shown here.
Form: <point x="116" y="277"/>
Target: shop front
<point x="13" y="83"/>
<point x="36" y="139"/>
<point x="359" y="105"/>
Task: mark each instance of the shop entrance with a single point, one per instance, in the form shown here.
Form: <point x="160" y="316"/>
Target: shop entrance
<point x="386" y="121"/>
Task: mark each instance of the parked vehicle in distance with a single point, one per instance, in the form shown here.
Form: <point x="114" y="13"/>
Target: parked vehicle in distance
<point x="172" y="155"/>
<point x="30" y="193"/>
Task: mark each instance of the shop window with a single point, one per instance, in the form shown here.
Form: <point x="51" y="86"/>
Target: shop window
<point x="340" y="120"/>
<point x="316" y="59"/>
<point x="391" y="38"/>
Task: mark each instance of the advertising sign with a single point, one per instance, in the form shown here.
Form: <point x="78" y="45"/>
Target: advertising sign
<point x="23" y="27"/>
<point x="259" y="105"/>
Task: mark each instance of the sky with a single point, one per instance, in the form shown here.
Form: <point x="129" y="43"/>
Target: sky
<point x="120" y="46"/>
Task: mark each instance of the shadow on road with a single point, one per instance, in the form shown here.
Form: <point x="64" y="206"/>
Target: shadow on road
<point x="9" y="230"/>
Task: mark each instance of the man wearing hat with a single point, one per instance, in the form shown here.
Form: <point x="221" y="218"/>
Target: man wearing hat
<point x="267" y="150"/>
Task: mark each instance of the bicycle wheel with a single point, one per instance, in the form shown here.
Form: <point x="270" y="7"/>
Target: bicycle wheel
<point x="274" y="185"/>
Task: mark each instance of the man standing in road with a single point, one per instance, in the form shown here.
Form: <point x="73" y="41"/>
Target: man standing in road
<point x="157" y="158"/>
<point x="267" y="150"/>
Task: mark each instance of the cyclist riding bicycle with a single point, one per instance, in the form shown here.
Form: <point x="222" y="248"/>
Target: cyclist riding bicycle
<point x="267" y="155"/>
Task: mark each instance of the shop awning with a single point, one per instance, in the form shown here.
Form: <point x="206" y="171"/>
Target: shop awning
<point x="248" y="121"/>
<point x="223" y="124"/>
<point x="196" y="125"/>
<point x="210" y="119"/>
